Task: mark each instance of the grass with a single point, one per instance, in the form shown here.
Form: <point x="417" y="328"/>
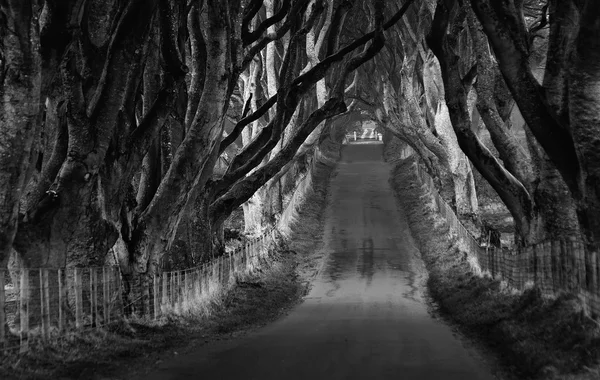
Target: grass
<point x="136" y="347"/>
<point x="535" y="337"/>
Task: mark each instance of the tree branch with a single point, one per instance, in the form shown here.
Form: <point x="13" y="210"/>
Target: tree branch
<point x="239" y="127"/>
<point x="512" y="55"/>
<point x="250" y="37"/>
<point x="123" y="26"/>
<point x="296" y="10"/>
<point x="243" y="190"/>
<point x="509" y="189"/>
<point x="198" y="59"/>
<point x="470" y="77"/>
<point x="251" y="11"/>
<point x="169" y="23"/>
<point x="307" y="79"/>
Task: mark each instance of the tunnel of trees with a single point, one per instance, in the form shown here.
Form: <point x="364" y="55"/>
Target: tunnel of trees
<point x="133" y="131"/>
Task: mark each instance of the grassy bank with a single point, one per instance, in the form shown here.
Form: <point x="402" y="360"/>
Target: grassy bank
<point x="535" y="337"/>
<point x="135" y="347"/>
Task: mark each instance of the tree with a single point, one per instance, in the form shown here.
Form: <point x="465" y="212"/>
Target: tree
<point x="562" y="111"/>
<point x="136" y="111"/>
<point x="21" y="93"/>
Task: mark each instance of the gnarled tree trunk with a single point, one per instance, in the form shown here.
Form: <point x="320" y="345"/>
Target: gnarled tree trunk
<point x="20" y="92"/>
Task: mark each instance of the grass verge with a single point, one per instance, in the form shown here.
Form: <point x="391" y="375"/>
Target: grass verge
<point x="134" y="348"/>
<point x="535" y="337"/>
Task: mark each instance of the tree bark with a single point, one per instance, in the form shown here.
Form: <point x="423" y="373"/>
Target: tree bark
<point x="462" y="174"/>
<point x="197" y="154"/>
<point x="20" y="91"/>
<point x="584" y="112"/>
<point x="511" y="152"/>
<point x="244" y="189"/>
<point x="503" y="25"/>
<point x="443" y="41"/>
<point x="71" y="224"/>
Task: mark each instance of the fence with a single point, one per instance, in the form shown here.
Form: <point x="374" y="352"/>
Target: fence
<point x="48" y="302"/>
<point x="552" y="266"/>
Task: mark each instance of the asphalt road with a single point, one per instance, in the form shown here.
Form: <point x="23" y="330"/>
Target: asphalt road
<point x="365" y="317"/>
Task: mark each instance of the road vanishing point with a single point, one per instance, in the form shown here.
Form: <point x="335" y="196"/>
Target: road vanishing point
<point x="365" y="317"/>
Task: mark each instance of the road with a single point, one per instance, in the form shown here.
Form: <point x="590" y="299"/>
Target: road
<point x="365" y="316"/>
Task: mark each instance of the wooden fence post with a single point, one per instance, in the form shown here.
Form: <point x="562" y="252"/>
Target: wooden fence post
<point x="580" y="265"/>
<point x="202" y="280"/>
<point x="176" y="292"/>
<point x="184" y="278"/>
<point x="172" y="295"/>
<point x="114" y="277"/>
<point x="209" y="275"/>
<point x="573" y="263"/>
<point x="45" y="303"/>
<point x="2" y="310"/>
<point x="177" y="288"/>
<point x="554" y="264"/>
<point x="230" y="272"/>
<point x="105" y="311"/>
<point x="197" y="283"/>
<point x="156" y="291"/>
<point x="120" y="289"/>
<point x="145" y="284"/>
<point x="179" y="293"/>
<point x="173" y="291"/>
<point x="245" y="257"/>
<point x="185" y="293"/>
<point x="94" y="295"/>
<point x="24" y="309"/>
<point x="535" y="261"/>
<point x="593" y="264"/>
<point x="231" y="266"/>
<point x="221" y="270"/>
<point x="62" y="298"/>
<point x="78" y="297"/>
<point x="225" y="265"/>
<point x="165" y="296"/>
<point x="189" y="286"/>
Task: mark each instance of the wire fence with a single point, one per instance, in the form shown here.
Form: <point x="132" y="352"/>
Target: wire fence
<point x="45" y="302"/>
<point x="553" y="266"/>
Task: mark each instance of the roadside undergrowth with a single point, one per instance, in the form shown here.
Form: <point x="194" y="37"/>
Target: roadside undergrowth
<point x="135" y="347"/>
<point x="304" y="223"/>
<point x="535" y="337"/>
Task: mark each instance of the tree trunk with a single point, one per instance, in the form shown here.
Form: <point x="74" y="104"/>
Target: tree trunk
<point x="584" y="111"/>
<point x="71" y="223"/>
<point x="462" y="175"/>
<point x="20" y="91"/>
<point x="443" y="41"/>
<point x="244" y="189"/>
<point x="194" y="160"/>
<point x="506" y="34"/>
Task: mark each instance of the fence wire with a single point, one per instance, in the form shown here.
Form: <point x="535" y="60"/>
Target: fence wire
<point x="45" y="302"/>
<point x="553" y="266"/>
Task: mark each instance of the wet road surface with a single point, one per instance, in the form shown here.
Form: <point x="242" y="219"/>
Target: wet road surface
<point x="364" y="318"/>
